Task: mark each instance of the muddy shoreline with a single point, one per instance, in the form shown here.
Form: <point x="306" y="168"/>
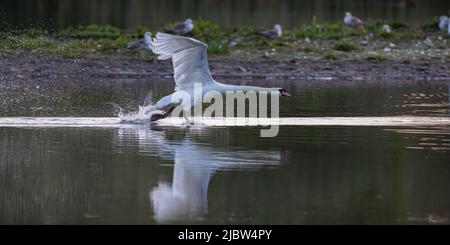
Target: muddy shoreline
<point x="26" y="67"/>
<point x="39" y="85"/>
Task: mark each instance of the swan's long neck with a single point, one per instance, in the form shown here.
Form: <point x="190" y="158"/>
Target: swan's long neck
<point x="230" y="87"/>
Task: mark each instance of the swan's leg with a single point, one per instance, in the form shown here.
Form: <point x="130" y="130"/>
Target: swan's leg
<point x="192" y="121"/>
<point x="188" y="121"/>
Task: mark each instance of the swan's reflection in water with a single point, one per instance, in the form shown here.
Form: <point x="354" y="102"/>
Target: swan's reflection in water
<point x="195" y="162"/>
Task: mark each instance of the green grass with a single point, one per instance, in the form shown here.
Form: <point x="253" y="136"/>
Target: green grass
<point x="210" y="33"/>
<point x="331" y="57"/>
<point x="346" y="47"/>
<point x="431" y="24"/>
<point x="410" y="35"/>
<point x="323" y="32"/>
<point x="387" y="35"/>
<point x="82" y="41"/>
<point x="93" y="32"/>
<point x="307" y="50"/>
<point x="376" y="58"/>
<point x="52" y="46"/>
<point x="394" y="25"/>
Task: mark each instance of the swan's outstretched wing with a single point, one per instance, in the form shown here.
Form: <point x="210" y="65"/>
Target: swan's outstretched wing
<point x="190" y="63"/>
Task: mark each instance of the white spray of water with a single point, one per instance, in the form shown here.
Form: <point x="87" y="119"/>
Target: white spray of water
<point x="143" y="114"/>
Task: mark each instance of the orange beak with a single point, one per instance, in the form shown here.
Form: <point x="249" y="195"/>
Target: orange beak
<point x="285" y="94"/>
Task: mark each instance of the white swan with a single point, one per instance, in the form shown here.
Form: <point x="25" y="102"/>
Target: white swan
<point x="190" y="66"/>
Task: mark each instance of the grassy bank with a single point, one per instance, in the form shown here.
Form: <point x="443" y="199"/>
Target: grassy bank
<point x="328" y="41"/>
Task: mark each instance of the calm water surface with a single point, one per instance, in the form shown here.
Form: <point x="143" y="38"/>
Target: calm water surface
<point x="229" y="175"/>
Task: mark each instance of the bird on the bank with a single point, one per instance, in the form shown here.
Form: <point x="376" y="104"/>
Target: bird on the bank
<point x="386" y="28"/>
<point x="443" y="23"/>
<point x="233" y="42"/>
<point x="182" y="28"/>
<point x="190" y="66"/>
<point x="352" y="21"/>
<point x="272" y="33"/>
<point x="142" y="43"/>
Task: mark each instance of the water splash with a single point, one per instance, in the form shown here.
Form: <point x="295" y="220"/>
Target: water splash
<point x="143" y="115"/>
<point x="146" y="113"/>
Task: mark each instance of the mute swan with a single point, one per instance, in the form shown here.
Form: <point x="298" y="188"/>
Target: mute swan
<point x="190" y="66"/>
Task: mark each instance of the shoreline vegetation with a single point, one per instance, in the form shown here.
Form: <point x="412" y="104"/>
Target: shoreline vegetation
<point x="314" y="41"/>
<point x="81" y="66"/>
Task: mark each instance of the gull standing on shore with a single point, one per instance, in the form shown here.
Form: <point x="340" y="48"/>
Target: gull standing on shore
<point x="182" y="28"/>
<point x="443" y="23"/>
<point x="142" y="43"/>
<point x="272" y="33"/>
<point x="352" y="21"/>
<point x="386" y="28"/>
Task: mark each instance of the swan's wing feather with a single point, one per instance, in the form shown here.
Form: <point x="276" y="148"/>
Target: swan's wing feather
<point x="188" y="55"/>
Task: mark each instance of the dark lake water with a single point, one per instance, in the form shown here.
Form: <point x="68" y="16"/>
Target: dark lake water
<point x="229" y="175"/>
<point x="261" y="13"/>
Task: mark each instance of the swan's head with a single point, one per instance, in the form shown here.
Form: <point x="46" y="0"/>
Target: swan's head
<point x="348" y="15"/>
<point x="283" y="92"/>
<point x="443" y="18"/>
<point x="188" y="21"/>
<point x="277" y="28"/>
